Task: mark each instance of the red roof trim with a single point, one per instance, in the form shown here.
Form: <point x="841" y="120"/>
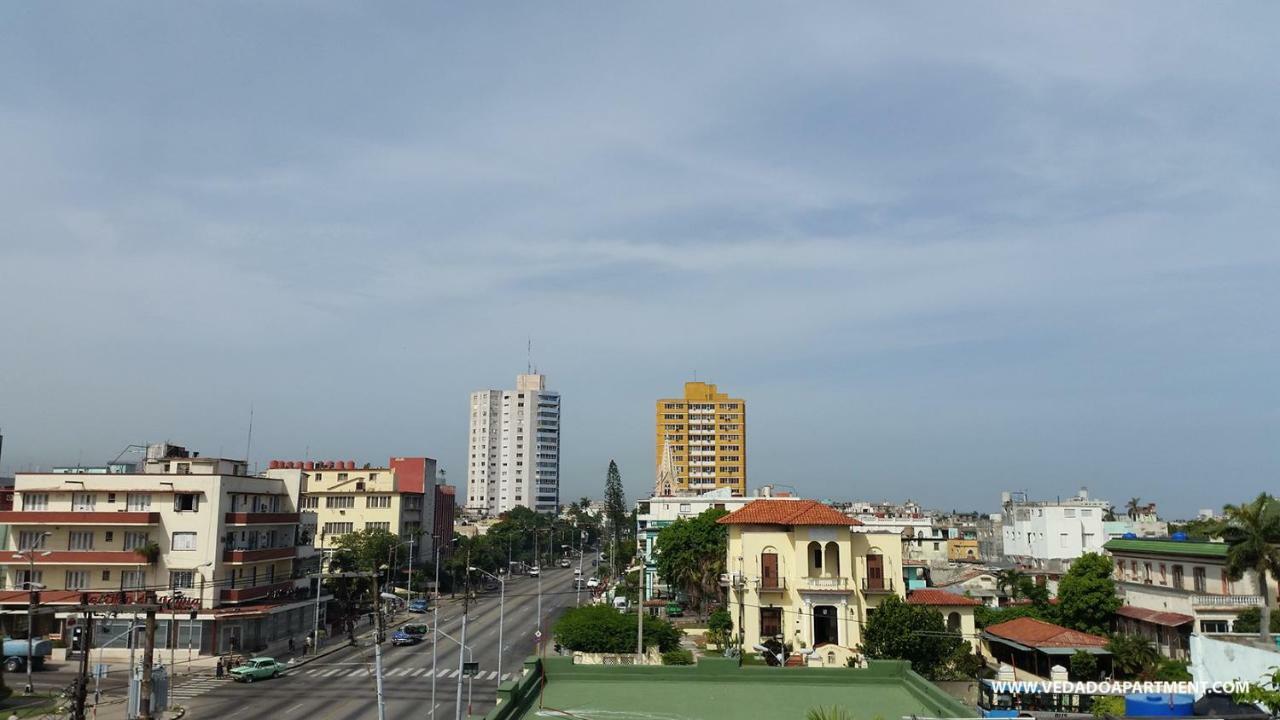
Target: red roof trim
<point x="933" y="596"/>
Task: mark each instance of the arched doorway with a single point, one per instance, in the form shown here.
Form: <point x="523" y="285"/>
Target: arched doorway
<point x="825" y="627"/>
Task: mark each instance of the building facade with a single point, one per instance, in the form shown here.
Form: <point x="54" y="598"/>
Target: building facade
<point x="195" y="533"/>
<point x="1048" y="535"/>
<point x="705" y="434"/>
<point x="398" y="497"/>
<point x="798" y="575"/>
<point x="1174" y="588"/>
<point x="514" y="448"/>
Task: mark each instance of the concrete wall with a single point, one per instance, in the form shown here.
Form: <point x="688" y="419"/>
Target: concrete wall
<point x="1214" y="660"/>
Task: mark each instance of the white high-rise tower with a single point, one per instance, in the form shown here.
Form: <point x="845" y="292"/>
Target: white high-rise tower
<point x="514" y="448"/>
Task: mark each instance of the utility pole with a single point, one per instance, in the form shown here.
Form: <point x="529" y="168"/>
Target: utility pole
<point x="148" y="657"/>
<point x="462" y="645"/>
<point x="315" y="633"/>
<point x="640" y="606"/>
<point x="377" y="651"/>
<point x="82" y="682"/>
<point x="435" y="630"/>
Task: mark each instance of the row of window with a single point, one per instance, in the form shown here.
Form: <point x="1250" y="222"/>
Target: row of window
<point x="84" y="540"/>
<point x="342" y="528"/>
<point x="1199" y="582"/>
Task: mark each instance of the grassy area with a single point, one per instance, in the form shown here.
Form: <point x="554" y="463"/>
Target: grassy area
<point x="33" y="706"/>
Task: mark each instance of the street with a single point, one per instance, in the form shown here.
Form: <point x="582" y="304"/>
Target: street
<point x="342" y="686"/>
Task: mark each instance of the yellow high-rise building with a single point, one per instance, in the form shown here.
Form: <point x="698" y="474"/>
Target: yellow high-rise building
<point x="707" y="434"/>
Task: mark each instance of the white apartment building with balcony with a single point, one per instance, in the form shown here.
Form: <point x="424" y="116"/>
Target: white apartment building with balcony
<point x="194" y="533"/>
<point x="514" y="448"/>
<point x="1048" y="535"/>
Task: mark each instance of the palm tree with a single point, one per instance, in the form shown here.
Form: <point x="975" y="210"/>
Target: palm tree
<point x="1010" y="580"/>
<point x="1253" y="532"/>
<point x="1132" y="507"/>
<point x="1132" y="656"/>
<point x="1110" y="514"/>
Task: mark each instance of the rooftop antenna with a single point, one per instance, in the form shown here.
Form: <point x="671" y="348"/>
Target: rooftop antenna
<point x="248" y="447"/>
<point x="528" y="369"/>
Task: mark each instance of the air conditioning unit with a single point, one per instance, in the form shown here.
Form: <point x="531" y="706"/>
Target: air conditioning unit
<point x="726" y="579"/>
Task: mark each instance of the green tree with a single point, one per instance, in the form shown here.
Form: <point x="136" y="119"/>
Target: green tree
<point x="1133" y="508"/>
<point x="1087" y="594"/>
<point x="1010" y="580"/>
<point x="1084" y="666"/>
<point x="720" y="628"/>
<point x="1253" y="532"/>
<point x="917" y="633"/>
<point x="690" y="555"/>
<point x="1265" y="693"/>
<point x="1250" y="619"/>
<point x="615" y="507"/>
<point x="1107" y="705"/>
<point x="601" y="629"/>
<point x="1132" y="657"/>
<point x="984" y="616"/>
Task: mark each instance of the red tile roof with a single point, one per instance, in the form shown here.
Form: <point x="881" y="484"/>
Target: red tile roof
<point x="787" y="512"/>
<point x="1155" y="617"/>
<point x="934" y="596"/>
<point x="1040" y="634"/>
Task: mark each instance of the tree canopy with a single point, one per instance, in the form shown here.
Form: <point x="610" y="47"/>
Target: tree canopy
<point x="690" y="555"/>
<point x="1253" y="532"/>
<point x="1087" y="594"/>
<point x="602" y="629"/>
<point x="917" y="633"/>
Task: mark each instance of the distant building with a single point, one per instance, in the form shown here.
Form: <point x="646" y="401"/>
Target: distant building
<point x="446" y="507"/>
<point x="1048" y="535"/>
<point x="704" y="436"/>
<point x="1173" y="589"/>
<point x="990" y="532"/>
<point x="514" y="448"/>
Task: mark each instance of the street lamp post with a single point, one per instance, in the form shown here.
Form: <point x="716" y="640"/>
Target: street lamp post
<point x="190" y="620"/>
<point x="32" y="587"/>
<point x="315" y="633"/>
<point x="502" y="600"/>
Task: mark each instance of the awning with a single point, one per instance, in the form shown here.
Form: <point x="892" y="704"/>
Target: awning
<point x="1155" y="617"/>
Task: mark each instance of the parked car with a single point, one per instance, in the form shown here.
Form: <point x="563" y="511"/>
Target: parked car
<point x="400" y="637"/>
<point x="593" y="583"/>
<point x="564" y="562"/>
<point x="418" y="606"/>
<point x="257" y="669"/>
<point x="534" y="571"/>
<point x="674" y="610"/>
<point x="15" y="654"/>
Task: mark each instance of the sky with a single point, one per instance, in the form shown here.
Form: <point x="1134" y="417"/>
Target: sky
<point x="942" y="250"/>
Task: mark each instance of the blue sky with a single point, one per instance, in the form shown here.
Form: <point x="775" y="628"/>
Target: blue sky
<point x="942" y="249"/>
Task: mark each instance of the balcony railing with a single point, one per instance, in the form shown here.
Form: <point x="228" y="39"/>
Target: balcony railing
<point x="77" y="557"/>
<point x="280" y="590"/>
<point x="23" y="517"/>
<point x="825" y="583"/>
<point x="877" y="586"/>
<point x="1226" y="600"/>
<point x="772" y="584"/>
<point x="244" y="556"/>
<point x="261" y="518"/>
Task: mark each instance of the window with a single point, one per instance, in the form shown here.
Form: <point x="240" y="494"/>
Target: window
<point x="337" y="528"/>
<point x="1069" y="512"/>
<point x="770" y="623"/>
<point x="184" y="469"/>
<point x="186" y="502"/>
<point x="133" y="579"/>
<point x="1086" y="513"/>
<point x="79" y="540"/>
<point x="32" y="540"/>
<point x="36" y="502"/>
<point x="1177" y="577"/>
<point x="340" y="501"/>
<point x="310" y="502"/>
<point x="386" y="526"/>
<point x="138" y="502"/>
<point x="106" y="576"/>
<point x="110" y="536"/>
<point x="378" y="501"/>
<point x="77" y="579"/>
<point x="135" y="540"/>
<point x="183" y="541"/>
<point x="1213" y="626"/>
<point x="24" y="579"/>
<point x="181" y="579"/>
<point x="342" y="477"/>
<point x="1197" y="576"/>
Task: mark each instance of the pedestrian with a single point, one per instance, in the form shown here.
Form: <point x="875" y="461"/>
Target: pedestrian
<point x="290" y="645"/>
<point x="306" y="644"/>
<point x="217" y="669"/>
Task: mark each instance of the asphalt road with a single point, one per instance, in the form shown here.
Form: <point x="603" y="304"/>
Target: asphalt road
<point x="341" y="686"/>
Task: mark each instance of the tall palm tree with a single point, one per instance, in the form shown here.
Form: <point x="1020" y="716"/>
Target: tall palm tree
<point x="1010" y="580"/>
<point x="1132" y="507"/>
<point x="1110" y="514"/>
<point x="1253" y="532"/>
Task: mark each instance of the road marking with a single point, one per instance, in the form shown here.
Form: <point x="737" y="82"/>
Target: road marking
<point x="295" y="707"/>
<point x="361" y="671"/>
<point x="417" y="672"/>
<point x="398" y="672"/>
<point x="452" y="674"/>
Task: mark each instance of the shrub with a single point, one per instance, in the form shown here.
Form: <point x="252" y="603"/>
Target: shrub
<point x="1084" y="666"/>
<point x="677" y="657"/>
<point x="1104" y="705"/>
<point x="602" y="629"/>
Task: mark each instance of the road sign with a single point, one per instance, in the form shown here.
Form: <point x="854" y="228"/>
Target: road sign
<point x="100" y="670"/>
<point x="537" y="634"/>
<point x="470" y="669"/>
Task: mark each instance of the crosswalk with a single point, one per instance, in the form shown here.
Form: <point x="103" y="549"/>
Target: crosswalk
<point x="196" y="687"/>
<point x="340" y="673"/>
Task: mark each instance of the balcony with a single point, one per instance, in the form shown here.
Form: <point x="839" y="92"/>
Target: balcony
<point x="280" y="590"/>
<point x="77" y="557"/>
<point x="248" y="556"/>
<point x="878" y="586"/>
<point x="1226" y="601"/>
<point x="771" y="585"/>
<point x="124" y="518"/>
<point x="261" y="518"/>
<point x="836" y="584"/>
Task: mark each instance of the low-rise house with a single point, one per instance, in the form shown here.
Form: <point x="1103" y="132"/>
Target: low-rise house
<point x="957" y="610"/>
<point x="1174" y="588"/>
<point x="975" y="583"/>
<point x="1033" y="647"/>
<point x="797" y="573"/>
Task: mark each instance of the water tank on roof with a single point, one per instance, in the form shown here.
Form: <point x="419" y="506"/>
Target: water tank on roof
<point x="308" y="465"/>
<point x="1159" y="705"/>
<point x="351" y="464"/>
<point x="1129" y="536"/>
<point x="1179" y="536"/>
<point x="274" y="465"/>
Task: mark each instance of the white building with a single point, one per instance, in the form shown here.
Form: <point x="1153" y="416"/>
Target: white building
<point x="1048" y="535"/>
<point x="514" y="448"/>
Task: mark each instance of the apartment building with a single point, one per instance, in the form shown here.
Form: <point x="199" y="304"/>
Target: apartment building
<point x="798" y="575"/>
<point x="195" y="532"/>
<point x="1048" y="535"/>
<point x="398" y="497"/>
<point x="1174" y="587"/>
<point x="514" y="448"/>
<point x="704" y="436"/>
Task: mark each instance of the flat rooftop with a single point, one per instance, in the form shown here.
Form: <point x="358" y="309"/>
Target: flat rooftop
<point x="717" y="689"/>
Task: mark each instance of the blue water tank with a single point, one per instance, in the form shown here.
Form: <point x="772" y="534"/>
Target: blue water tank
<point x="1129" y="536"/>
<point x="1163" y="705"/>
<point x="1180" y="536"/>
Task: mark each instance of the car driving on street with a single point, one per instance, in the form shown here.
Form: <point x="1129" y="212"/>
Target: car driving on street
<point x="257" y="669"/>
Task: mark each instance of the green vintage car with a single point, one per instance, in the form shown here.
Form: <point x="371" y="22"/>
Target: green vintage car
<point x="257" y="669"/>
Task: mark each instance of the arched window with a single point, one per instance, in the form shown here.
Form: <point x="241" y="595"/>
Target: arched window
<point x="815" y="559"/>
<point x="831" y="560"/>
<point x="769" y="578"/>
<point x="953" y="622"/>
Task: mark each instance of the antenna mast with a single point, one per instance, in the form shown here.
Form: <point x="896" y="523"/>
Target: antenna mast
<point x="248" y="448"/>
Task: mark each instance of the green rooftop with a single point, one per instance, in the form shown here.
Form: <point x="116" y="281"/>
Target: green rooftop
<point x="716" y="689"/>
<point x="1160" y="546"/>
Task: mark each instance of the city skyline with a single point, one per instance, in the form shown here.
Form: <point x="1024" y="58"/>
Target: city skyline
<point x="941" y="254"/>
